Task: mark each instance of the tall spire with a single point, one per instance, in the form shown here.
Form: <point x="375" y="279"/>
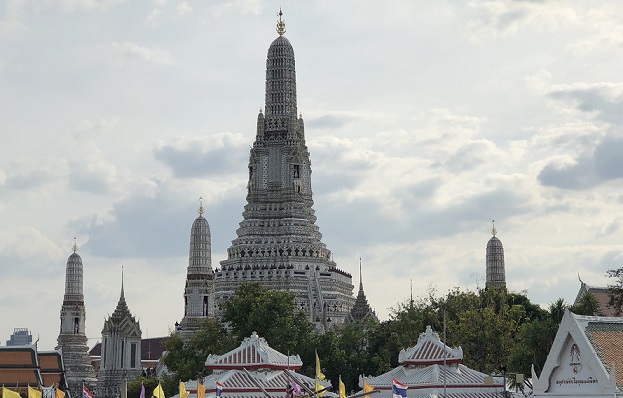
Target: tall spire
<point x="200" y="210"/>
<point x="495" y="267"/>
<point x="122" y="293"/>
<point x="360" y="276"/>
<point x="75" y="248"/>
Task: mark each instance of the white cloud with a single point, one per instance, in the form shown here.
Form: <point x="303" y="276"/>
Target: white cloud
<point x="131" y="51"/>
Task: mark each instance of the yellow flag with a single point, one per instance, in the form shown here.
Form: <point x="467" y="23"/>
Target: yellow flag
<point x="34" y="393"/>
<point x="158" y="392"/>
<point x="6" y="393"/>
<point x="342" y="388"/>
<point x="59" y="393"/>
<point x="201" y="390"/>
<point x="183" y="392"/>
<point x="319" y="374"/>
<point x="318" y="387"/>
<point x="367" y="387"/>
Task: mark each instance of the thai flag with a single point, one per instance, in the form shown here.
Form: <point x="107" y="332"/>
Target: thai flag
<point x="219" y="388"/>
<point x="399" y="390"/>
<point x="86" y="393"/>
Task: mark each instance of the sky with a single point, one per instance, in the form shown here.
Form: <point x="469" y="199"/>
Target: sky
<point x="425" y="121"/>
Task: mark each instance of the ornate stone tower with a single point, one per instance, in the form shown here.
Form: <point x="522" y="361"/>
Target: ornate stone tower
<point x="121" y="351"/>
<point x="199" y="290"/>
<point x="72" y="340"/>
<point x="496" y="277"/>
<point x="361" y="310"/>
<point x="278" y="243"/>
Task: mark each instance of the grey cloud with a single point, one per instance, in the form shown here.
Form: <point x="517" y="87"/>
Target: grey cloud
<point x="594" y="99"/>
<point x="85" y="180"/>
<point x="604" y="164"/>
<point x="28" y="180"/>
<point x="330" y="121"/>
<point x="195" y="161"/>
<point x="368" y="225"/>
<point x="159" y="226"/>
<point x="468" y="156"/>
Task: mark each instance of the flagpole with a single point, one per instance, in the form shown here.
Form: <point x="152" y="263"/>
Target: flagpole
<point x="445" y="352"/>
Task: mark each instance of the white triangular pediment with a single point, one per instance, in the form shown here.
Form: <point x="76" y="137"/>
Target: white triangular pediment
<point x="572" y="367"/>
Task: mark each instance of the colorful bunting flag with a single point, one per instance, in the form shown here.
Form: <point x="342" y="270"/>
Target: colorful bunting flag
<point x="34" y="393"/>
<point x="367" y="387"/>
<point x="142" y="391"/>
<point x="183" y="392"/>
<point x="201" y="390"/>
<point x="6" y="393"/>
<point x="158" y="391"/>
<point x="342" y="388"/>
<point x="86" y="393"/>
<point x="399" y="390"/>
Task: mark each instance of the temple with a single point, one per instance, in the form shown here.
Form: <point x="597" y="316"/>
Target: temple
<point x="585" y="359"/>
<point x="361" y="310"/>
<point x="253" y="370"/>
<point x="199" y="289"/>
<point x="496" y="274"/>
<point x="278" y="243"/>
<point x="72" y="339"/>
<point x="120" y="352"/>
<point x="432" y="369"/>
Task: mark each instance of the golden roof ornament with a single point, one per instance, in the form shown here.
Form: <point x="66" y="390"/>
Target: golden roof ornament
<point x="200" y="211"/>
<point x="493" y="231"/>
<point x="75" y="247"/>
<point x="281" y="25"/>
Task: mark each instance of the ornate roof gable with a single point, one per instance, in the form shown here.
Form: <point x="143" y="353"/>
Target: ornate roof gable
<point x="254" y="353"/>
<point x="430" y="350"/>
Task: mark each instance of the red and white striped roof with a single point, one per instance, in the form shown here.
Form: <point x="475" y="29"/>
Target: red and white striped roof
<point x="253" y="353"/>
<point x="430" y="350"/>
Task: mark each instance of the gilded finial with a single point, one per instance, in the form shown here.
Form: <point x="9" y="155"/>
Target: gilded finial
<point x="200" y="206"/>
<point x="493" y="231"/>
<point x="75" y="247"/>
<point x="281" y="25"/>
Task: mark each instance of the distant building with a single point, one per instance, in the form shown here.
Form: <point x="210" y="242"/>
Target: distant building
<point x="361" y="310"/>
<point x="496" y="274"/>
<point x="21" y="366"/>
<point x="199" y="289"/>
<point x="20" y="336"/>
<point x="601" y="295"/>
<point x="121" y="351"/>
<point x="151" y="352"/>
<point x="278" y="243"/>
<point x="72" y="339"/>
<point x="585" y="360"/>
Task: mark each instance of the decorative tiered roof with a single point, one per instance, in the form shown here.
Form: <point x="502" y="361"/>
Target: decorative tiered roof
<point x="254" y="353"/>
<point x="430" y="350"/>
<point x="423" y="370"/>
<point x="245" y="369"/>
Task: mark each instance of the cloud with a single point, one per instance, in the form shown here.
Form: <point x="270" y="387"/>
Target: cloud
<point x="603" y="100"/>
<point x="216" y="155"/>
<point x="131" y="51"/>
<point x="156" y="221"/>
<point x="28" y="248"/>
<point x="331" y="121"/>
<point x="604" y="164"/>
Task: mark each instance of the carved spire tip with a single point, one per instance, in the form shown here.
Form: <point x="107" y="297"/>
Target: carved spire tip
<point x="200" y="210"/>
<point x="494" y="231"/>
<point x="281" y="24"/>
<point x="75" y="246"/>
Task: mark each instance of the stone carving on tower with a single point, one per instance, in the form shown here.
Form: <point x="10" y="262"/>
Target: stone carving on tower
<point x="121" y="351"/>
<point x="199" y="289"/>
<point x="72" y="340"/>
<point x="361" y="310"/>
<point x="278" y="243"/>
<point x="496" y="277"/>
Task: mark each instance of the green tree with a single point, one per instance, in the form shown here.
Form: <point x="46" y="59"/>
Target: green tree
<point x="169" y="385"/>
<point x="186" y="358"/>
<point x="272" y="314"/>
<point x="615" y="291"/>
<point x="588" y="305"/>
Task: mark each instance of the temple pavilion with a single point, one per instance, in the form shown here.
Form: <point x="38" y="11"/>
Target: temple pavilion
<point x="429" y="368"/>
<point x="252" y="365"/>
